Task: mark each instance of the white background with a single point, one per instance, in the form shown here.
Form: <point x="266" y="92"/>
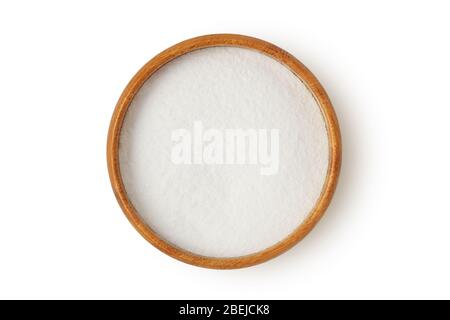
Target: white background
<point x="385" y="66"/>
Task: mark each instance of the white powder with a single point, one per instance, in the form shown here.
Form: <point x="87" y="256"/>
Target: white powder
<point x="223" y="210"/>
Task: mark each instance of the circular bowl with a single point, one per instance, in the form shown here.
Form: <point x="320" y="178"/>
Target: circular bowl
<point x="233" y="40"/>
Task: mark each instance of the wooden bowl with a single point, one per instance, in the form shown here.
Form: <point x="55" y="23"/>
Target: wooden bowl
<point x="213" y="41"/>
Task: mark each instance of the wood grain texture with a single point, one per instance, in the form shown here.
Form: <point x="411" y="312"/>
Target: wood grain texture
<point x="213" y="41"/>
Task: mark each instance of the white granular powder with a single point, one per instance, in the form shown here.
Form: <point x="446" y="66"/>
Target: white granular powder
<point x="223" y="210"/>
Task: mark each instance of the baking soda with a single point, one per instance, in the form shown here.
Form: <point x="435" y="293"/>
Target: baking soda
<point x="249" y="177"/>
